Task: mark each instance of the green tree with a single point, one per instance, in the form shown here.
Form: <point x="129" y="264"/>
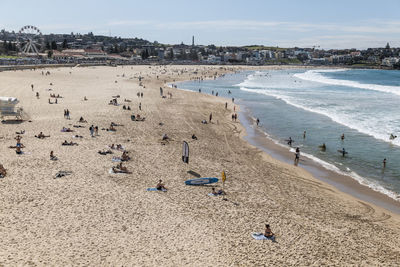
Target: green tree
<point x="53" y="45"/>
<point x="65" y="44"/>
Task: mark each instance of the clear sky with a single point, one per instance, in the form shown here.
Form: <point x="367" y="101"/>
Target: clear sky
<point x="286" y="23"/>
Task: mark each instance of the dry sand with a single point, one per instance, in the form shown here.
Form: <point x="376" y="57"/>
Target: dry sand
<point x="99" y="219"/>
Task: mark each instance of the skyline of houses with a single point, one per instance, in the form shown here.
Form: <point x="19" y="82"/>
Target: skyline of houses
<point x="79" y="48"/>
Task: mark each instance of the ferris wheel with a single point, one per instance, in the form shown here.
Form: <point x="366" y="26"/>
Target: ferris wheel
<point x="30" y="39"/>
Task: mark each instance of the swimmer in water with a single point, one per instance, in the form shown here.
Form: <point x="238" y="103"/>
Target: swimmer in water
<point x="384" y="163"/>
<point x="392" y="137"/>
<point x="323" y="147"/>
<point x="289" y="141"/>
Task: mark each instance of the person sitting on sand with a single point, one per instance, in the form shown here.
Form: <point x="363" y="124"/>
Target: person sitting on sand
<point x="52" y="157"/>
<point x="85" y="99"/>
<point x="125" y="156"/>
<point x="81" y="119"/>
<point x="194" y="137"/>
<point x="268" y="233"/>
<point x="165" y="137"/>
<point x="119" y="147"/>
<point x="18" y="150"/>
<point x="128" y="108"/>
<point x="160" y="186"/>
<point x="124" y="107"/>
<point x="112" y="129"/>
<point x="3" y="171"/>
<point x="41" y="135"/>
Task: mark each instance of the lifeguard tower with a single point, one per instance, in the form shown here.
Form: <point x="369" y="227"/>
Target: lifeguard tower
<point x="8" y="109"/>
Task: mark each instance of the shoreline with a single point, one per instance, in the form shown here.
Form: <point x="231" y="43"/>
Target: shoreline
<point x="344" y="183"/>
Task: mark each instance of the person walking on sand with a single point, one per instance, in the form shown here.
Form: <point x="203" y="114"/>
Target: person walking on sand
<point x="96" y="130"/>
<point x="210" y="117"/>
<point x="32" y="87"/>
<point x="91" y="129"/>
<point x="140" y="106"/>
<point x="226" y="105"/>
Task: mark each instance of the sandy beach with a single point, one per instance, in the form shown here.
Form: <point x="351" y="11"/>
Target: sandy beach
<point x="95" y="218"/>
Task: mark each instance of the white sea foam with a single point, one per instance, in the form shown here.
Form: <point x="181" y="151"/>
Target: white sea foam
<point x="316" y="76"/>
<point x="363" y="126"/>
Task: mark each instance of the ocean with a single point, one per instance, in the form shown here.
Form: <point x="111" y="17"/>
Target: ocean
<point x="364" y="105"/>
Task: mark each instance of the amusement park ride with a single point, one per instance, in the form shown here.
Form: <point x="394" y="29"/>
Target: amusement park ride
<point x="30" y="40"/>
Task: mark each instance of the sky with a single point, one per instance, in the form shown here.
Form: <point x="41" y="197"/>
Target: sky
<point x="328" y="24"/>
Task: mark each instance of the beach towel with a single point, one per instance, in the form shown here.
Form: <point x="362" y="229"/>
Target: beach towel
<point x="116" y="159"/>
<point x="259" y="236"/>
<point x="155" y="189"/>
<point x="212" y="195"/>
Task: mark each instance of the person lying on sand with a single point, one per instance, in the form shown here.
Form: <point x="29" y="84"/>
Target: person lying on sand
<point x="160" y="186"/>
<point x="82" y="120"/>
<point x="41" y="135"/>
<point x="268" y="233"/>
<point x="111" y="129"/>
<point x="220" y="192"/>
<point x="20" y="132"/>
<point x="120" y="169"/>
<point x="79" y="126"/>
<point x="3" y="171"/>
<point x="66" y="130"/>
<point x="65" y="143"/>
<point x="105" y="152"/>
<point x="52" y="157"/>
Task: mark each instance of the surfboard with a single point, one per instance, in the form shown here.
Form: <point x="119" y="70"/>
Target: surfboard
<point x="201" y="181"/>
<point x="341" y="152"/>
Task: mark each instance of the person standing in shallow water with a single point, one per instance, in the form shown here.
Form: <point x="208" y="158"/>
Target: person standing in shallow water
<point x="297" y="156"/>
<point x="257" y="121"/>
<point x="384" y="163"/>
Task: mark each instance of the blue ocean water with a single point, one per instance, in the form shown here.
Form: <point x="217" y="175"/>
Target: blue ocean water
<point x="361" y="104"/>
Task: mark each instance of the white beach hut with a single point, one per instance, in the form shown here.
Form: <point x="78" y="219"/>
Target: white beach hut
<point x="7" y="107"/>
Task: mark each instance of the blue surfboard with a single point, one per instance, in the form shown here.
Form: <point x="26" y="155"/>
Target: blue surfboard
<point x="201" y="181"/>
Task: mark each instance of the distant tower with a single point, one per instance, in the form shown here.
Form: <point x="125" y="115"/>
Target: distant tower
<point x="387" y="46"/>
<point x="193" y="40"/>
